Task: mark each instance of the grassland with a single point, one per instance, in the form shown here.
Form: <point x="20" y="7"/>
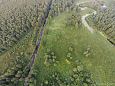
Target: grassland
<point x="93" y="50"/>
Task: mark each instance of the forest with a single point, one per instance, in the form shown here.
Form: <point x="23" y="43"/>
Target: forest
<point x="103" y="20"/>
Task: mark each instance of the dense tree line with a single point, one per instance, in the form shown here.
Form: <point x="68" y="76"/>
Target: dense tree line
<point x="104" y="19"/>
<point x="60" y="6"/>
<point x="15" y="74"/>
<point x="27" y="19"/>
<point x="17" y="18"/>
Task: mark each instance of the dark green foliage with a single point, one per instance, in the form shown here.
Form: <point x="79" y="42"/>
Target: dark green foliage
<point x="74" y="20"/>
<point x="60" y="6"/>
<point x="79" y="76"/>
<point x="104" y="21"/>
<point x="15" y="74"/>
<point x="17" y="19"/>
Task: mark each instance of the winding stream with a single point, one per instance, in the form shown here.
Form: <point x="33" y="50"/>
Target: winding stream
<point x="84" y="22"/>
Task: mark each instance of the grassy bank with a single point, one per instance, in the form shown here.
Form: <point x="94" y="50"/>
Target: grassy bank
<point x="71" y="45"/>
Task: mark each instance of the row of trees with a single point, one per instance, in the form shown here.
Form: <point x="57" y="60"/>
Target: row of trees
<point x="30" y="15"/>
<point x="18" y="18"/>
<point x="104" y="19"/>
<point x="16" y="73"/>
<point x="60" y="6"/>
